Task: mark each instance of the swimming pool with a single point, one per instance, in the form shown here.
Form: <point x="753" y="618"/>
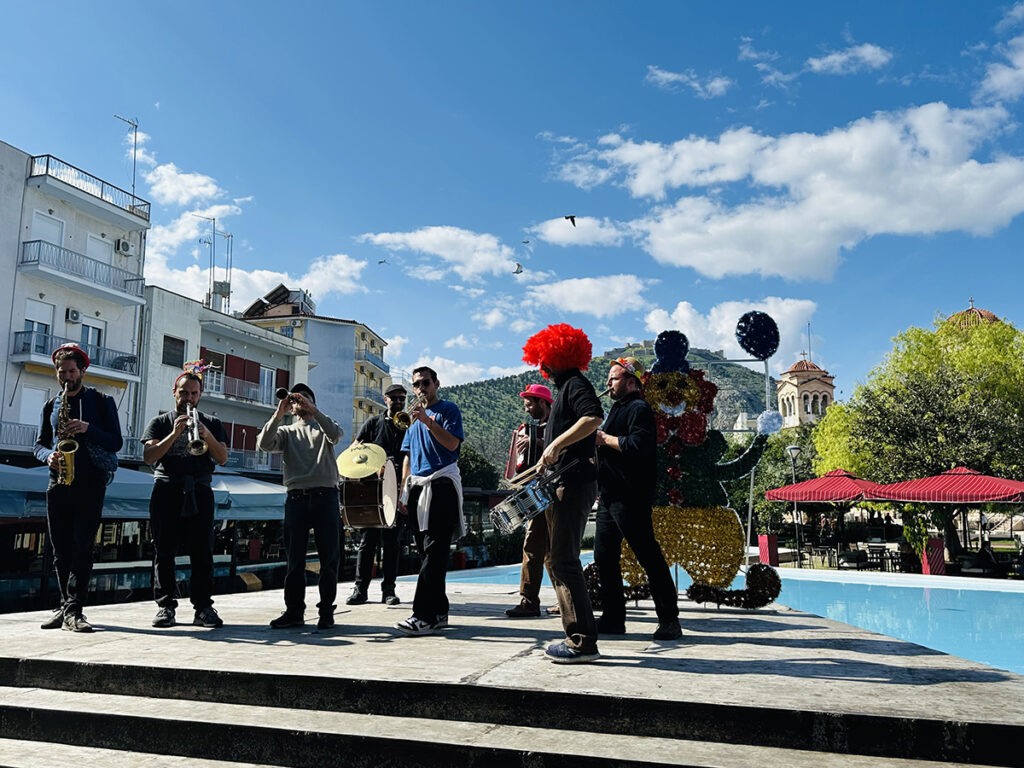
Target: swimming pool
<point x="977" y="619"/>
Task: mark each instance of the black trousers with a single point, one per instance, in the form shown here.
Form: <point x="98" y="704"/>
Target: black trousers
<point x="192" y="533"/>
<point x="434" y="544"/>
<point x="317" y="509"/>
<point x="371" y="537"/>
<point x="72" y="517"/>
<point x="617" y="520"/>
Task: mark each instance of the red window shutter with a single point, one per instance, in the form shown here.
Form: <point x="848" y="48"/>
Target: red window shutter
<point x="234" y="367"/>
<point x="250" y="438"/>
<point x="281" y="380"/>
<point x="203" y="354"/>
<point x="252" y="371"/>
<point x="227" y="431"/>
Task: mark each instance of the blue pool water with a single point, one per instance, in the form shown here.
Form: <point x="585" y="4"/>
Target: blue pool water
<point x="976" y="619"/>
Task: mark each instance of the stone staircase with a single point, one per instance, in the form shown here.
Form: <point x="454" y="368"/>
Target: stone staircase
<point x="60" y="712"/>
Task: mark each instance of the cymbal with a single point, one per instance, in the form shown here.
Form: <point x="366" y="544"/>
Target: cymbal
<point x="361" y="460"/>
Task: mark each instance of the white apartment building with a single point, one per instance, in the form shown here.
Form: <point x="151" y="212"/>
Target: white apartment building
<point x="72" y="250"/>
<point x="346" y="358"/>
<point x="251" y="364"/>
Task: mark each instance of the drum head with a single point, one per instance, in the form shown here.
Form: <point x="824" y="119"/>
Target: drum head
<point x="389" y="488"/>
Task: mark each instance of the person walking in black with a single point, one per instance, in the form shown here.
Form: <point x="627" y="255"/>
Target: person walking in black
<point x="74" y="509"/>
<point x="627" y="461"/>
<point x="181" y="505"/>
<point x="381" y="430"/>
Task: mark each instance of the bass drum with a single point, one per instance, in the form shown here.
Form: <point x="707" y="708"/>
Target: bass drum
<point x="370" y="502"/>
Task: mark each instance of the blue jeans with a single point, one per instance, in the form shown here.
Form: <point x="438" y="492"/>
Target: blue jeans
<point x="315" y="508"/>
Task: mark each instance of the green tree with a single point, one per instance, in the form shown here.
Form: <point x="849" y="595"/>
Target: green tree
<point x="941" y="398"/>
<point x="476" y="471"/>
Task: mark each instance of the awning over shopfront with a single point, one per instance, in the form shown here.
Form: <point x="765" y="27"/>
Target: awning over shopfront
<point x="23" y="494"/>
<point x="834" y="487"/>
<point x="955" y="486"/>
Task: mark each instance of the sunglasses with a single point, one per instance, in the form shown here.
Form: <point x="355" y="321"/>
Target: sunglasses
<point x="420" y="384"/>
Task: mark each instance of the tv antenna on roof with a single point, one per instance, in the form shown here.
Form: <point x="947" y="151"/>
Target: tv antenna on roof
<point x="134" y="123"/>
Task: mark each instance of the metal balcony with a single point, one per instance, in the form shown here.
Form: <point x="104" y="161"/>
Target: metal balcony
<point x="254" y="461"/>
<point x="237" y="389"/>
<point x="373" y="395"/>
<point x="81" y="272"/>
<point x="365" y="355"/>
<point x="22" y="438"/>
<point x="52" y="167"/>
<point x="36" y="347"/>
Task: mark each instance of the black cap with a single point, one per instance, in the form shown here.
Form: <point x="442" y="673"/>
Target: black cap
<point x="395" y="389"/>
<point x="304" y="390"/>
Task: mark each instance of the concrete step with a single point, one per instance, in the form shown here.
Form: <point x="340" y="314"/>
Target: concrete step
<point x="280" y="736"/>
<point x="591" y="713"/>
<point x="16" y="753"/>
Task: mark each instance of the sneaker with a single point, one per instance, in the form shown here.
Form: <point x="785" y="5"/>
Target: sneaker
<point x="356" y="598"/>
<point x="414" y="626"/>
<point x="606" y="626"/>
<point x="668" y="630"/>
<point x="164" y="618"/>
<point x="391" y="599"/>
<point x="560" y="653"/>
<point x="442" y="622"/>
<point x="326" y="621"/>
<point x="207" y="617"/>
<point x="56" y="621"/>
<point x="288" y="619"/>
<point x="75" y="622"/>
<point x="524" y="610"/>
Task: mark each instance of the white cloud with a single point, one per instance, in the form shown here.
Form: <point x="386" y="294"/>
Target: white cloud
<point x="490" y="318"/>
<point x="857" y="58"/>
<point x="451" y="372"/>
<point x="170" y="186"/>
<point x="1005" y="81"/>
<point x="598" y="296"/>
<point x="461" y="341"/>
<point x="143" y="155"/>
<point x="709" y="88"/>
<point x="395" y="346"/>
<point x="807" y="197"/>
<point x="717" y="329"/>
<point x="1011" y="18"/>
<point x="588" y="231"/>
<point x="469" y="254"/>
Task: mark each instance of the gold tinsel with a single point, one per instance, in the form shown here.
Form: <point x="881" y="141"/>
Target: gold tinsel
<point x="706" y="541"/>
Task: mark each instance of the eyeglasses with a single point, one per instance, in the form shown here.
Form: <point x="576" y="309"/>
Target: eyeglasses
<point x="421" y="383"/>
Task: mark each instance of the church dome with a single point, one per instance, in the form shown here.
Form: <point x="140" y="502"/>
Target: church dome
<point x="804" y="365"/>
<point x="972" y="317"/>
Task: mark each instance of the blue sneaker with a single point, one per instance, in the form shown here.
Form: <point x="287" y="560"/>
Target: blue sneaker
<point x="560" y="653"/>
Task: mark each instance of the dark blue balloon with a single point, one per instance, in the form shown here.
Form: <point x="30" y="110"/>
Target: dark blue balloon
<point x="758" y="334"/>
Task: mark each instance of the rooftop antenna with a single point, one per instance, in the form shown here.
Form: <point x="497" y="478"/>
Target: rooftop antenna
<point x="213" y="252"/>
<point x="809" y="360"/>
<point x="134" y="123"/>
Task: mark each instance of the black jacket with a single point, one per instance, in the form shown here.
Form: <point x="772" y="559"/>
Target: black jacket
<point x="628" y="475"/>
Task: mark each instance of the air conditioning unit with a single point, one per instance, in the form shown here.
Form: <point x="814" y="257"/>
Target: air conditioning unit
<point x="73" y="315"/>
<point x="124" y="247"/>
<point x="296" y="323"/>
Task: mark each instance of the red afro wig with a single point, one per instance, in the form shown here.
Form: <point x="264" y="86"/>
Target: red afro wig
<point x="560" y="347"/>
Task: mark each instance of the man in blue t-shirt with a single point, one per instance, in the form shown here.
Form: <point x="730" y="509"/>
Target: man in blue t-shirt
<point x="432" y="498"/>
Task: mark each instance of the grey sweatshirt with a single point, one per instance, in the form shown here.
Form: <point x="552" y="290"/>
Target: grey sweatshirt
<point x="308" y="448"/>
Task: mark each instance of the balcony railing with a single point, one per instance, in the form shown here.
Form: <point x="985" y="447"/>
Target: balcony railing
<point x="93" y="270"/>
<point x="26" y="342"/>
<point x="22" y="437"/>
<point x="48" y="165"/>
<point x="368" y="393"/>
<point x="368" y="356"/>
<point x="219" y="384"/>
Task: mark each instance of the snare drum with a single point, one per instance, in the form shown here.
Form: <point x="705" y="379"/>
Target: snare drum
<point x="522" y="506"/>
<point x="370" y="502"/>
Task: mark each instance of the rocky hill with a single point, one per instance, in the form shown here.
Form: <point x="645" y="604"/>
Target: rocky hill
<point x="491" y="409"/>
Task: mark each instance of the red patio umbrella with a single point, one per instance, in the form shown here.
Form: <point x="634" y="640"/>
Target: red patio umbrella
<point x="835" y="486"/>
<point x="960" y="485"/>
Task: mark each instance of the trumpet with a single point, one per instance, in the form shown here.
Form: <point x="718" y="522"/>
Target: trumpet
<point x="196" y="444"/>
<point x="66" y="446"/>
<point x="403" y="419"/>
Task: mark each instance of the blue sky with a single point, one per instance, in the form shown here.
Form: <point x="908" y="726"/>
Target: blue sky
<point x="856" y="166"/>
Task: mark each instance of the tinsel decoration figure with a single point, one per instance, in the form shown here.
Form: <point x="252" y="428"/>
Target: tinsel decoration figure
<point x="697" y="530"/>
<point x="758" y="334"/>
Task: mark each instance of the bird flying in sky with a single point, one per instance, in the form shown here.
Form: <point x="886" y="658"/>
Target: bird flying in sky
<point x="518" y="269"/>
<point x="572" y="220"/>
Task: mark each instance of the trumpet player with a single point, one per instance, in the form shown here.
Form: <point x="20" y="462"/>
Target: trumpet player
<point x="181" y="505"/>
<point x="311" y="477"/>
<point x="382" y="430"/>
<point x="79" y="427"/>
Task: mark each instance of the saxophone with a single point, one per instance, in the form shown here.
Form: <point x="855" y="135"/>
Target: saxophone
<point x="66" y="446"/>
